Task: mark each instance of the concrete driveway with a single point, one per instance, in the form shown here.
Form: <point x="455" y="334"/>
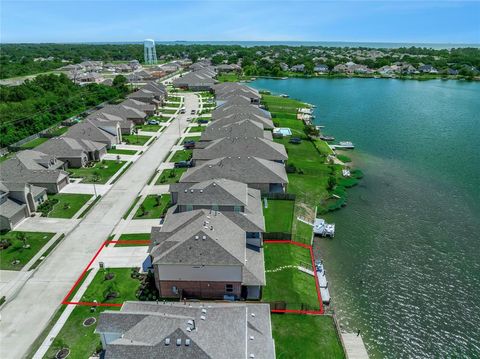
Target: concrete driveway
<point x="44" y="224"/>
<point x="24" y="318"/>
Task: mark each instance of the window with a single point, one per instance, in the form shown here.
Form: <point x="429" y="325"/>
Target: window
<point x="174" y="290"/>
<point x="237" y="209"/>
<point x="189" y="207"/>
<point x="229" y="288"/>
<point x="214" y="207"/>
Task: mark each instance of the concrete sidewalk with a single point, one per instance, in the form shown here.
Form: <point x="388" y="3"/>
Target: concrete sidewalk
<point x="41" y="295"/>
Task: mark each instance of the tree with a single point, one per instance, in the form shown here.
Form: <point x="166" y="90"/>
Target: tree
<point x="332" y="182"/>
<point x="21" y="236"/>
<point x="119" y="81"/>
<point x="157" y="200"/>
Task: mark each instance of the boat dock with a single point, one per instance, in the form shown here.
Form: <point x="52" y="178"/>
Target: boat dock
<point x="343" y="145"/>
<point x="323" y="228"/>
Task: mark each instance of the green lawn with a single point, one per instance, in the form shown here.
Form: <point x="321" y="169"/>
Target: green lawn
<point x="102" y="171"/>
<point x="36" y="240"/>
<point x="68" y="204"/>
<point x="279" y="215"/>
<point x="280" y="104"/>
<point x="137" y="140"/>
<point x="170" y="176"/>
<point x="198" y="128"/>
<point x="131" y="207"/>
<point x="289" y="284"/>
<point x="159" y="118"/>
<point x="81" y="340"/>
<point x="192" y="138"/>
<point x="59" y="131"/>
<point x="121" y="152"/>
<point x="168" y="111"/>
<point x="154" y="206"/>
<point x="34" y="143"/>
<point x="175" y="104"/>
<point x="181" y="155"/>
<point x="303" y="232"/>
<point x="133" y="237"/>
<point x="306" y="337"/>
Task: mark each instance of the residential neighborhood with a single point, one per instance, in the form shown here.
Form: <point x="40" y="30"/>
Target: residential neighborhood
<point x="172" y="184"/>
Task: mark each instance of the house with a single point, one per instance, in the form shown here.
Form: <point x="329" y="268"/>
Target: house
<point x="36" y="168"/>
<point x="340" y="68"/>
<point x="147" y="108"/>
<point x="145" y="96"/>
<point x="204" y="254"/>
<point x="237" y="114"/>
<point x="234" y="199"/>
<point x="427" y="69"/>
<point x="223" y="68"/>
<point x="96" y="130"/>
<point x="298" y="68"/>
<point x="229" y="109"/>
<point x="264" y="175"/>
<point x="122" y="111"/>
<point x="126" y="126"/>
<point x="89" y="77"/>
<point x="159" y="90"/>
<point x="240" y="146"/>
<point x="72" y="151"/>
<point x="18" y="201"/>
<point x="284" y="66"/>
<point x="452" y="72"/>
<point x="201" y="80"/>
<point x="243" y="128"/>
<point x="225" y="91"/>
<point x="197" y="330"/>
<point x="321" y="68"/>
<point x="134" y="65"/>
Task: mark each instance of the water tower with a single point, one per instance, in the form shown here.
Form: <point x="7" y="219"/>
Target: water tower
<point x="149" y="52"/>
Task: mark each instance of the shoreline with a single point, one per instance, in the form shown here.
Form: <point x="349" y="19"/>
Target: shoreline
<point x="359" y="76"/>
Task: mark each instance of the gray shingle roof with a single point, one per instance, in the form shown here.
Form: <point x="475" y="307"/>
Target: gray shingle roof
<point x="69" y="147"/>
<point x="242" y="169"/>
<point x="242" y="128"/>
<point x="93" y="130"/>
<point x="233" y="109"/>
<point x="224" y="332"/>
<point x="235" y="117"/>
<point x="215" y="191"/>
<point x="242" y="146"/>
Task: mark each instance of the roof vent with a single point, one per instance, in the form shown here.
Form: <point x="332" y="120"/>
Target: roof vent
<point x="187" y="342"/>
<point x="214" y="184"/>
<point x="179" y="342"/>
<point x="190" y="322"/>
<point x="204" y="237"/>
<point x="202" y="317"/>
<point x="201" y="191"/>
<point x="251" y="337"/>
<point x="251" y="356"/>
<point x="191" y="191"/>
<point x="167" y="341"/>
<point x="253" y="315"/>
<point x="204" y="311"/>
<point x="209" y="166"/>
<point x="189" y="329"/>
<point x="196" y="237"/>
<point x="186" y="191"/>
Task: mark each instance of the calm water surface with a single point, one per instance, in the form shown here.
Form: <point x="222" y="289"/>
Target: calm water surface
<point x="404" y="266"/>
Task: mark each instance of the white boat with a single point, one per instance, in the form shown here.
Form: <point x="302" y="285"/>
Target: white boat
<point x="323" y="228"/>
<point x="346" y="145"/>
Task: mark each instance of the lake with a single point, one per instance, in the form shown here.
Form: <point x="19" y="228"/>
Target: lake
<point x="404" y="266"/>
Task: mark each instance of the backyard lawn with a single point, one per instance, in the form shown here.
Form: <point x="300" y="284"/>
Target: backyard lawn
<point x="137" y="140"/>
<point x="181" y="155"/>
<point x="170" y="176"/>
<point x="121" y="152"/>
<point x="154" y="206"/>
<point x="133" y="237"/>
<point x="289" y="284"/>
<point x="34" y="143"/>
<point x="15" y="251"/>
<point x="100" y="173"/>
<point x="67" y="204"/>
<point x="279" y="215"/>
<point x="305" y="336"/>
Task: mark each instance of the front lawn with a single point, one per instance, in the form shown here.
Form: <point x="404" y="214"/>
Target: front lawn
<point x="154" y="206"/>
<point x="63" y="205"/>
<point x="181" y="155"/>
<point x="137" y="140"/>
<point x="198" y="128"/>
<point x="149" y="128"/>
<point x="15" y="250"/>
<point x="133" y="237"/>
<point x="34" y="143"/>
<point x="306" y="336"/>
<point x="121" y="152"/>
<point x="100" y="173"/>
<point x="170" y="176"/>
<point x="168" y="111"/>
<point x="289" y="284"/>
<point x="279" y="215"/>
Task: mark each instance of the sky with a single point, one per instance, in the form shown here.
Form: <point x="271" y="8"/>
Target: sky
<point x="247" y="20"/>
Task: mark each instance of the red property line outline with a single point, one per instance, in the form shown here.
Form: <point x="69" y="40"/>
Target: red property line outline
<point x="319" y="297"/>
<point x="85" y="270"/>
<point x="66" y="300"/>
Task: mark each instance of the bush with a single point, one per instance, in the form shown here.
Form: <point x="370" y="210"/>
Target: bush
<point x="46" y="207"/>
